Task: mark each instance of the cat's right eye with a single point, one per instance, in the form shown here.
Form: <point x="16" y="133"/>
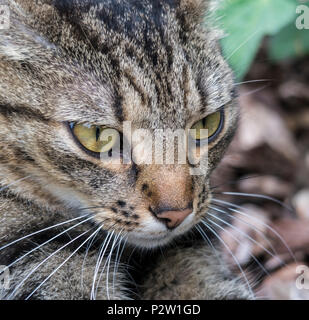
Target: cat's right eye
<point x="96" y="139"/>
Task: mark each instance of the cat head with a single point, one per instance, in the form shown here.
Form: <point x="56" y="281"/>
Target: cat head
<point x="72" y="71"/>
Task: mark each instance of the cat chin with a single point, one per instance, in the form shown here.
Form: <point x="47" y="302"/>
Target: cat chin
<point x="144" y="241"/>
<point x="149" y="243"/>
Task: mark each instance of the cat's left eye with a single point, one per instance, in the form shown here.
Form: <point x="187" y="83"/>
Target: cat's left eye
<point x="207" y="128"/>
<point x="96" y="139"/>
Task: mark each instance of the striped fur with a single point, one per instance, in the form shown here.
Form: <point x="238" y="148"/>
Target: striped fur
<point x="152" y="62"/>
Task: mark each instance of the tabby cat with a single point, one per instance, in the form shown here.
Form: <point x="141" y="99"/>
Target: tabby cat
<point x="72" y="72"/>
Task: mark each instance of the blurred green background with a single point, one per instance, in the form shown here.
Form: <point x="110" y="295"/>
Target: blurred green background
<point x="246" y="23"/>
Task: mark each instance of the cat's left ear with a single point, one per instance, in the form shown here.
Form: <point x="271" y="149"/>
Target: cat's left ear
<point x="194" y="11"/>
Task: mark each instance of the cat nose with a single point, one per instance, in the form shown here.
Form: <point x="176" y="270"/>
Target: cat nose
<point x="173" y="218"/>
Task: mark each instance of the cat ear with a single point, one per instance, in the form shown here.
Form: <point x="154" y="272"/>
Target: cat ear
<point x="194" y="11"/>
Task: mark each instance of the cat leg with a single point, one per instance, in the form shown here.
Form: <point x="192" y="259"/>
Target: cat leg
<point x="190" y="274"/>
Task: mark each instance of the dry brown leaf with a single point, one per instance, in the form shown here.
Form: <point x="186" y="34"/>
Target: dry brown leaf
<point x="261" y="124"/>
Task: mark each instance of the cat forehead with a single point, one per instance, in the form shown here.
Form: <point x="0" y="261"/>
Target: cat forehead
<point x="132" y="60"/>
<point x="159" y="73"/>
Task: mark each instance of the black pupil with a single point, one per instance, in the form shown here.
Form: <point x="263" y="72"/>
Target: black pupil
<point x="97" y="133"/>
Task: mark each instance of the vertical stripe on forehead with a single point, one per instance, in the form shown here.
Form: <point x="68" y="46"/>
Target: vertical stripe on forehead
<point x="118" y="108"/>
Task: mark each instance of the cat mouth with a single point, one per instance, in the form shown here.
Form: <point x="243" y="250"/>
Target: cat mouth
<point x="155" y="238"/>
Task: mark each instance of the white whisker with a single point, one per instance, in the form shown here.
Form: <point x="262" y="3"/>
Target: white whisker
<point x="257" y="220"/>
<point x="108" y="265"/>
<point x="251" y="255"/>
<point x="245" y="235"/>
<point x="252" y="81"/>
<point x="206" y="238"/>
<point x="13" y="183"/>
<point x="42" y="230"/>
<point x="257" y="230"/>
<point x="42" y="262"/>
<point x="103" y="268"/>
<point x="261" y="196"/>
<point x="241" y="45"/>
<point x="66" y="260"/>
<point x="99" y="261"/>
<point x="84" y="261"/>
<point x="117" y="261"/>
<point x="231" y="253"/>
<point x="254" y="91"/>
<point x="43" y="244"/>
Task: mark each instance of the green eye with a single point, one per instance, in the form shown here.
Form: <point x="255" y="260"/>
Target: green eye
<point x="95" y="138"/>
<point x="212" y="123"/>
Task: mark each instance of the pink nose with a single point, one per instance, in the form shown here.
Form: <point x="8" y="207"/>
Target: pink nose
<point x="174" y="218"/>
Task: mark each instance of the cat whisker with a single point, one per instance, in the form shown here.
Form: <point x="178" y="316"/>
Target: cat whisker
<point x="248" y="224"/>
<point x="253" y="81"/>
<point x="14" y="182"/>
<point x="99" y="261"/>
<point x="206" y="238"/>
<point x="42" y="262"/>
<point x="244" y="234"/>
<point x="84" y="261"/>
<point x="107" y="262"/>
<point x="44" y="243"/>
<point x="115" y="264"/>
<point x="42" y="230"/>
<point x="257" y="220"/>
<point x="230" y="233"/>
<point x="117" y="261"/>
<point x="66" y="260"/>
<point x="236" y="181"/>
<point x="108" y="265"/>
<point x="131" y="255"/>
<point x="254" y="91"/>
<point x="242" y="44"/>
<point x="231" y="253"/>
<point x="261" y="196"/>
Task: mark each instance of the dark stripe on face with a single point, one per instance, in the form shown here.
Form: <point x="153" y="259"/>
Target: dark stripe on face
<point x="133" y="175"/>
<point x="170" y="57"/>
<point x="76" y="168"/>
<point x="129" y="18"/>
<point x="9" y="111"/>
<point x="118" y="109"/>
<point x="185" y="85"/>
<point x="21" y="155"/>
<point x="132" y="80"/>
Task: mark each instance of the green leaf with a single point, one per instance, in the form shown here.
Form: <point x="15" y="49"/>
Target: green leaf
<point x="289" y="43"/>
<point x="246" y="22"/>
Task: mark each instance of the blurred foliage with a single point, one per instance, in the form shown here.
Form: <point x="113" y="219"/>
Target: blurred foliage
<point x="247" y="22"/>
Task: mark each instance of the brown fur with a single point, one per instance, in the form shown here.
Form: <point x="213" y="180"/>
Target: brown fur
<point x="102" y="62"/>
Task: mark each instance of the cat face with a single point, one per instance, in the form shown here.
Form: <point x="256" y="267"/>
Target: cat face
<point x="70" y="71"/>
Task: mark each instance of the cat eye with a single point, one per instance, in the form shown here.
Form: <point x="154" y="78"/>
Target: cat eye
<point x="212" y="123"/>
<point x="96" y="139"/>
